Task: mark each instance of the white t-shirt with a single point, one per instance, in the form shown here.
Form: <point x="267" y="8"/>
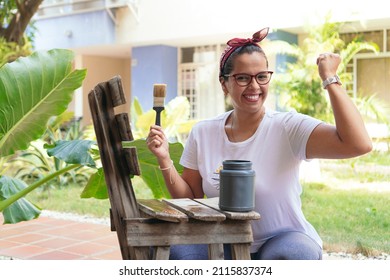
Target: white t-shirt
<point x="276" y="151"/>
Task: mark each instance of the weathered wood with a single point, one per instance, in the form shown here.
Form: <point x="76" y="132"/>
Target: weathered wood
<point x="112" y="225"/>
<point x="241" y="251"/>
<point x="122" y="198"/>
<point x="140" y="253"/>
<point x="161" y="253"/>
<point x="196" y="210"/>
<point x="193" y="232"/>
<point x="213" y="203"/>
<point x="161" y="210"/>
<point x="216" y="251"/>
<point x="116" y="89"/>
<point x="130" y="154"/>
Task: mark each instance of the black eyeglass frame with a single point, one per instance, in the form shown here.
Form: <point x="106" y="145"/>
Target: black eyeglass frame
<point x="252" y="76"/>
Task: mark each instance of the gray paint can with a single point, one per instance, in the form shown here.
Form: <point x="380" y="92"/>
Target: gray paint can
<point x="236" y="189"/>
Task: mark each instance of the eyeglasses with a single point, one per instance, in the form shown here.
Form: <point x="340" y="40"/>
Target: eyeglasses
<point x="243" y="79"/>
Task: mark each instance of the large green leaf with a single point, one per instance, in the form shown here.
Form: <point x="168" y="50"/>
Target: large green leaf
<point x="73" y="152"/>
<point x="150" y="172"/>
<point x="96" y="186"/>
<point x="20" y="210"/>
<point x="32" y="89"/>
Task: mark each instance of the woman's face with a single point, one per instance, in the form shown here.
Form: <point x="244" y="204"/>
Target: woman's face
<point x="248" y="98"/>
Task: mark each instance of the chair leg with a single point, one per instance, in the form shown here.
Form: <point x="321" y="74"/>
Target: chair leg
<point x="216" y="252"/>
<point x="161" y="253"/>
<point x="241" y="251"/>
<point x="141" y="253"/>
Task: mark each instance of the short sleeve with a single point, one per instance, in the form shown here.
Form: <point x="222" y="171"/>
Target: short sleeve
<point x="299" y="128"/>
<point x="189" y="157"/>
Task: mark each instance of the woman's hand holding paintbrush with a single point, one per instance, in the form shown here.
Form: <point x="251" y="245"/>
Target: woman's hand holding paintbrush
<point x="158" y="144"/>
<point x="159" y="92"/>
<point x="156" y="140"/>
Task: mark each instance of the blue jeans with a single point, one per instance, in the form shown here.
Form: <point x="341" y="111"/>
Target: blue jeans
<point x="291" y="245"/>
<point x="195" y="252"/>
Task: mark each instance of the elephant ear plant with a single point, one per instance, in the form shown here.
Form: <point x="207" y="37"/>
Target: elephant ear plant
<point x="35" y="88"/>
<point x="32" y="89"/>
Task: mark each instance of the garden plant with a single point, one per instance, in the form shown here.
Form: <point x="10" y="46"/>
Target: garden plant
<point x="39" y="87"/>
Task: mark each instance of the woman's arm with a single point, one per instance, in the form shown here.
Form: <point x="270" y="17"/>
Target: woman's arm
<point x="189" y="185"/>
<point x="349" y="137"/>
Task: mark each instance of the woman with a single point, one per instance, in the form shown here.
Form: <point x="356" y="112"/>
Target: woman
<point x="275" y="142"/>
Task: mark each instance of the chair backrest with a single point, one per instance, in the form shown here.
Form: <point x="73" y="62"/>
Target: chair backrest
<point x="118" y="163"/>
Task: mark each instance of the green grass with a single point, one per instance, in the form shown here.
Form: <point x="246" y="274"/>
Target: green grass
<point x="67" y="199"/>
<point x="373" y="167"/>
<point x="372" y="158"/>
<point x="354" y="221"/>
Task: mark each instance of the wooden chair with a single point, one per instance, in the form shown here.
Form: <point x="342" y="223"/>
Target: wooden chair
<point x="151" y="223"/>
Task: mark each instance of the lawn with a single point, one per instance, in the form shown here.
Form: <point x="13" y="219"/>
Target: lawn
<point x="355" y="221"/>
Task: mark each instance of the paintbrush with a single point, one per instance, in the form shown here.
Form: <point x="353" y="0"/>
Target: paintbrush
<point x="159" y="92"/>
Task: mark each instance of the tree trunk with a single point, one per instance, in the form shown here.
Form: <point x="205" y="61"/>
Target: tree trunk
<point x="15" y="30"/>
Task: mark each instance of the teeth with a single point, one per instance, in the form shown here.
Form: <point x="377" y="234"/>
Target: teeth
<point x="252" y="97"/>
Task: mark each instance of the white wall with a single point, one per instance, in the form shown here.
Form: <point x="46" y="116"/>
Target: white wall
<point x="201" y="22"/>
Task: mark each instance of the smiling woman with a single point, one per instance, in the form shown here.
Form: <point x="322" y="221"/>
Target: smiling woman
<point x="274" y="142"/>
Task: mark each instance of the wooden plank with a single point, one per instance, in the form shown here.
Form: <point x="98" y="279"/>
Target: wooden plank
<point x="102" y="100"/>
<point x="216" y="251"/>
<point x="196" y="210"/>
<point x="119" y="186"/>
<point x="161" y="210"/>
<point x="161" y="233"/>
<point x="130" y="154"/>
<point x="161" y="253"/>
<point x="241" y="251"/>
<point x="140" y="253"/>
<point x="213" y="203"/>
<point x="112" y="225"/>
<point x="101" y="113"/>
<point x="116" y="89"/>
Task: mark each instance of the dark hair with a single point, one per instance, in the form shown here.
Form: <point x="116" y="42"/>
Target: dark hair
<point x="229" y="64"/>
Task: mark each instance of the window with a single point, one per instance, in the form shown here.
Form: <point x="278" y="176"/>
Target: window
<point x="373" y="77"/>
<point x="198" y="81"/>
<point x="370" y="71"/>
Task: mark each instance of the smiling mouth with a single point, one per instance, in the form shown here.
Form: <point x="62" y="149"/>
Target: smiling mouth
<point x="252" y="97"/>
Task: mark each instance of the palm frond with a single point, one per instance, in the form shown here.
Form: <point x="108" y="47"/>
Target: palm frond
<point x="354" y="48"/>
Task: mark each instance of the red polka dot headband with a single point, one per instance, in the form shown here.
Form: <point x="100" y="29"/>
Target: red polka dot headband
<point x="235" y="43"/>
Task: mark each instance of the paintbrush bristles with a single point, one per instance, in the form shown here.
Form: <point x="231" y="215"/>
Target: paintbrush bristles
<point x="159" y="92"/>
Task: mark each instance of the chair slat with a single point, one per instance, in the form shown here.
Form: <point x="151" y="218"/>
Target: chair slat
<point x="161" y="210"/>
<point x="116" y="88"/>
<point x="130" y="154"/>
<point x="213" y="203"/>
<point x="196" y="210"/>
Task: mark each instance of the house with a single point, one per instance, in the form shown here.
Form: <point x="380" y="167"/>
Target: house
<point x="178" y="42"/>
